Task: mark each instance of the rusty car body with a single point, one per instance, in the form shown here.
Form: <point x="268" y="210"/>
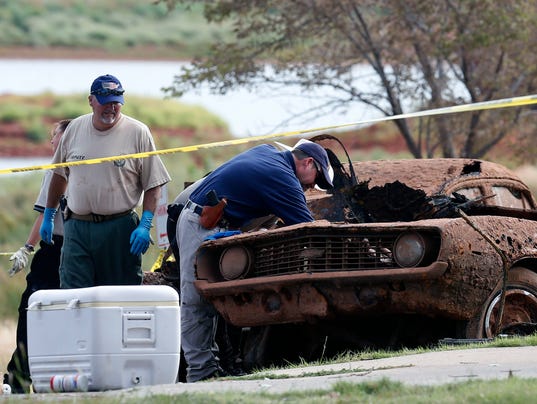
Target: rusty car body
<point x="413" y="250"/>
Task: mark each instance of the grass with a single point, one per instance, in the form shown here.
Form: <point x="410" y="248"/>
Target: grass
<point x="124" y="28"/>
<point x="166" y="117"/>
<point x="511" y="389"/>
<point x="364" y="356"/>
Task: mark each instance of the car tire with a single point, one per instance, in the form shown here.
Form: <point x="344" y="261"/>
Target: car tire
<point x="520" y="308"/>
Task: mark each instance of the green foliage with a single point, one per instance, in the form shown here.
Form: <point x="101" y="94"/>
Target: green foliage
<point x="10" y="292"/>
<point x="36" y="113"/>
<point x="17" y="196"/>
<point x="11" y="113"/>
<point x="158" y="113"/>
<point x="35" y="131"/>
<point x="67" y="106"/>
<point x="422" y="55"/>
<point x="23" y="112"/>
<point x="113" y="26"/>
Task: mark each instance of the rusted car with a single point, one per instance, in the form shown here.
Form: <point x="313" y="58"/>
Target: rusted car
<point x="403" y="252"/>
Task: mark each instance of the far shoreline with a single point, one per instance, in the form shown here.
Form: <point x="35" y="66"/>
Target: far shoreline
<point x="140" y="53"/>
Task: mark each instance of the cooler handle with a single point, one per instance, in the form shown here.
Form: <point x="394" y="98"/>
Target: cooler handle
<point x="138" y="329"/>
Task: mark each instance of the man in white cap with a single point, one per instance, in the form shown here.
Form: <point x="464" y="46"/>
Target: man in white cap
<point x="256" y="183"/>
<point x="104" y="237"/>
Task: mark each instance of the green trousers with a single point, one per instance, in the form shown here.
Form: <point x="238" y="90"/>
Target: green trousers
<point x="96" y="254"/>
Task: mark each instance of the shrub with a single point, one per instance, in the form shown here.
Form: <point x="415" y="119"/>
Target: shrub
<point x="36" y="131"/>
<point x="12" y="113"/>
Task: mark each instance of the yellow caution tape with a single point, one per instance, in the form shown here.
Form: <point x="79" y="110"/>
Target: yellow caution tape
<point x="494" y="104"/>
<point x="158" y="261"/>
<point x="502" y="103"/>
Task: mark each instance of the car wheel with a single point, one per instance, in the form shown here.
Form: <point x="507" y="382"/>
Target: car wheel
<point x="520" y="308"/>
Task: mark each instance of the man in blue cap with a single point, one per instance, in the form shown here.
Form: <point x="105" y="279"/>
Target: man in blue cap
<point x="256" y="183"/>
<point x="104" y="237"/>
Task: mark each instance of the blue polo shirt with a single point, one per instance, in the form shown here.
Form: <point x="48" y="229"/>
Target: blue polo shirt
<point x="256" y="183"/>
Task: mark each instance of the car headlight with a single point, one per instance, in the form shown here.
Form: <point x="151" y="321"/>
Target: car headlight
<point x="409" y="249"/>
<point x="235" y="262"/>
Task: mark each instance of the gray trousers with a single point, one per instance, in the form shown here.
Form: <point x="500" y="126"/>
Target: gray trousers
<point x="198" y="317"/>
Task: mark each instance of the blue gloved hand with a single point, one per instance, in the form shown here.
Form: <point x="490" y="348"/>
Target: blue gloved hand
<point x="47" y="226"/>
<point x="222" y="234"/>
<point x="140" y="237"/>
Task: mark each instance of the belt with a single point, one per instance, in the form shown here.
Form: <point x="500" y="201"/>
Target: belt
<point x="197" y="209"/>
<point x="194" y="207"/>
<point x="95" y="218"/>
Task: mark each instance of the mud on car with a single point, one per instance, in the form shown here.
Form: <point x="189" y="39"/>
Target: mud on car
<point x="402" y="253"/>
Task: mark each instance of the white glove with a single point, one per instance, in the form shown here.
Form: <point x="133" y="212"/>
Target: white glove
<point x="20" y="259"/>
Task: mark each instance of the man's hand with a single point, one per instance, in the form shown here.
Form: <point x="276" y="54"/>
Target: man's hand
<point x="47" y="226"/>
<point x="140" y="237"/>
<point x="20" y="259"/>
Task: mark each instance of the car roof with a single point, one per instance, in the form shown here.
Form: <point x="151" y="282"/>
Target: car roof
<point x="434" y="176"/>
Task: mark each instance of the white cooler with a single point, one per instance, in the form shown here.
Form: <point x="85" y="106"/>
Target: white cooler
<point x="116" y="336"/>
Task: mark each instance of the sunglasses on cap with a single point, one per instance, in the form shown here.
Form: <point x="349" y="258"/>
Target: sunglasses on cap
<point x="106" y="92"/>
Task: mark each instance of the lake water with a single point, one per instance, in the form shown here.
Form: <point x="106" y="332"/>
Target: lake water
<point x="18" y="162"/>
<point x="248" y="113"/>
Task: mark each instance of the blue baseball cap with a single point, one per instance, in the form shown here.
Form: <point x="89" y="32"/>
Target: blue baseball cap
<point x="318" y="153"/>
<point x="107" y="89"/>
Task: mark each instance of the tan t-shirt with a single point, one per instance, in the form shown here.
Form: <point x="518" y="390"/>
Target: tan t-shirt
<point x="113" y="186"/>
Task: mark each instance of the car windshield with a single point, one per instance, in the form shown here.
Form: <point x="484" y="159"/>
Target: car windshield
<point x="503" y="196"/>
<point x="510" y="198"/>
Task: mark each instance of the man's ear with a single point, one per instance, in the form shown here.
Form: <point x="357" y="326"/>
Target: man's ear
<point x="303" y="163"/>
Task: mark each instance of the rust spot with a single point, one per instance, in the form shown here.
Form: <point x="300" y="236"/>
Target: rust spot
<point x="472" y="168"/>
<point x="272" y="302"/>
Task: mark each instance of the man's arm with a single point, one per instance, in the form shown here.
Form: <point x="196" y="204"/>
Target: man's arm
<point x="151" y="197"/>
<point x="56" y="189"/>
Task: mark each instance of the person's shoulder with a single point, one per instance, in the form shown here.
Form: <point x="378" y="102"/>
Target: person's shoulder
<point x="79" y="120"/>
<point x="265" y="148"/>
<point x="76" y="124"/>
<point x="133" y="121"/>
<point x="268" y="146"/>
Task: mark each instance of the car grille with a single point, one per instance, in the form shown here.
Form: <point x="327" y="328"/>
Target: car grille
<point x="324" y="253"/>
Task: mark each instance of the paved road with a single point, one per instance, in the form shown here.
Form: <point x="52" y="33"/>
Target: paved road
<point x="422" y="369"/>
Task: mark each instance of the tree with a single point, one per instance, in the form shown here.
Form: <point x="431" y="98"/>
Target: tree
<point x="425" y="54"/>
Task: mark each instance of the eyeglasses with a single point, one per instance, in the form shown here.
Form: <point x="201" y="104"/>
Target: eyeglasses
<point x="316" y="165"/>
<point x="106" y="92"/>
<point x="318" y="168"/>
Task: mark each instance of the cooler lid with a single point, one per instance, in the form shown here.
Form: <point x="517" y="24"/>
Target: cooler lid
<point x="104" y="296"/>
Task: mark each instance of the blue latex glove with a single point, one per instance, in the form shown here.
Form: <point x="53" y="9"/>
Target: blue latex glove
<point x="140" y="237"/>
<point x="222" y="234"/>
<point x="47" y="226"/>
